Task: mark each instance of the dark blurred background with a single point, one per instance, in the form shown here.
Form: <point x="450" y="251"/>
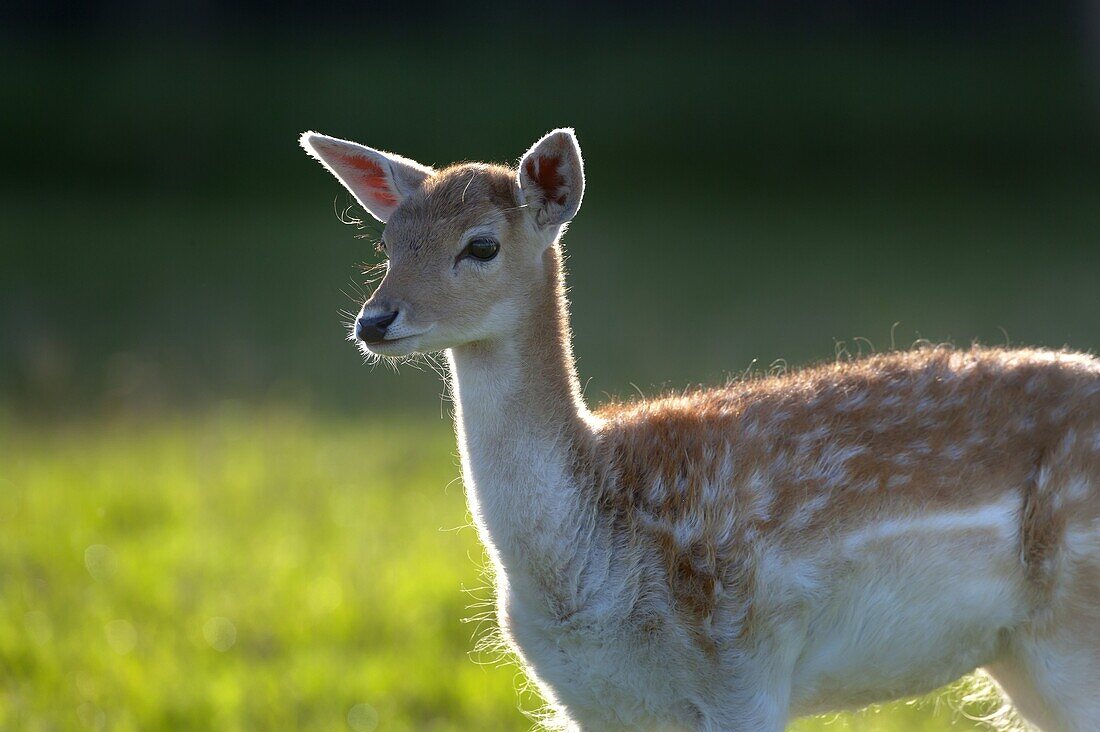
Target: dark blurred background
<point x="214" y="516"/>
<point x="766" y="181"/>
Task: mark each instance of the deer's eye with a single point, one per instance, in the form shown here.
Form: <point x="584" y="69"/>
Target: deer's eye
<point x="482" y="249"/>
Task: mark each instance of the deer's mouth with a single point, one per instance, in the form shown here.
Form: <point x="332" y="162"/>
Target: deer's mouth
<point x="396" y="346"/>
<point x="390" y="342"/>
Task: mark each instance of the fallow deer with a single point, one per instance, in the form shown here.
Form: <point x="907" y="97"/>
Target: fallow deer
<point x="727" y="559"/>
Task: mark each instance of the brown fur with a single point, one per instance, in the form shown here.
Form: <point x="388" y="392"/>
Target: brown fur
<point x="892" y="435"/>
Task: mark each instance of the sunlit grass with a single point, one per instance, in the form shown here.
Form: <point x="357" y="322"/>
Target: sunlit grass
<point x="256" y="570"/>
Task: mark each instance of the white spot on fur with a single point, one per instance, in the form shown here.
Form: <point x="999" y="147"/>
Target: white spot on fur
<point x="1077" y="489"/>
<point x="897" y="480"/>
<point x="805" y="513"/>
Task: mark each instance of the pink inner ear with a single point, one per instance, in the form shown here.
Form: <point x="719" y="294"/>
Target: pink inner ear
<point x="372" y="177"/>
<point x="545" y="172"/>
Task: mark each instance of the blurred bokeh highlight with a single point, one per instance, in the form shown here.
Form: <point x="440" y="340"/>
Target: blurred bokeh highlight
<point x="214" y="516"/>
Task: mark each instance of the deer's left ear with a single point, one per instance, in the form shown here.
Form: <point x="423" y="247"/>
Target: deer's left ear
<point x="380" y="181"/>
<point x="551" y="178"/>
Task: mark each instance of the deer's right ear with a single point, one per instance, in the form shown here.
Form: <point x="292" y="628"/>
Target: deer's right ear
<point x="378" y="180"/>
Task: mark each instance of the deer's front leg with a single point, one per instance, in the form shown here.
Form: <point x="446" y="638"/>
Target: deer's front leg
<point x="756" y="693"/>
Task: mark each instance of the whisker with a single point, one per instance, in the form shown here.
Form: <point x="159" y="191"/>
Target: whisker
<point x="344" y="216"/>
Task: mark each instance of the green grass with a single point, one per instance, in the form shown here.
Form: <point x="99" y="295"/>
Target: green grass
<point x="256" y="570"/>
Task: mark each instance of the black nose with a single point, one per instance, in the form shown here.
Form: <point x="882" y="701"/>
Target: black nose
<point x="373" y="329"/>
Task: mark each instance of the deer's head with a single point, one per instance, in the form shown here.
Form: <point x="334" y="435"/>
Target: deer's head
<point x="465" y="245"/>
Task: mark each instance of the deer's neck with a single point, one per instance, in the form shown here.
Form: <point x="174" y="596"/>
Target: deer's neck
<point x="520" y="420"/>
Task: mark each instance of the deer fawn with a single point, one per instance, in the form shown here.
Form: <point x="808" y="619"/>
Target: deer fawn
<point x="730" y="558"/>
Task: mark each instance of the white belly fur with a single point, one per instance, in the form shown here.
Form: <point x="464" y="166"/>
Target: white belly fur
<point x="913" y="605"/>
